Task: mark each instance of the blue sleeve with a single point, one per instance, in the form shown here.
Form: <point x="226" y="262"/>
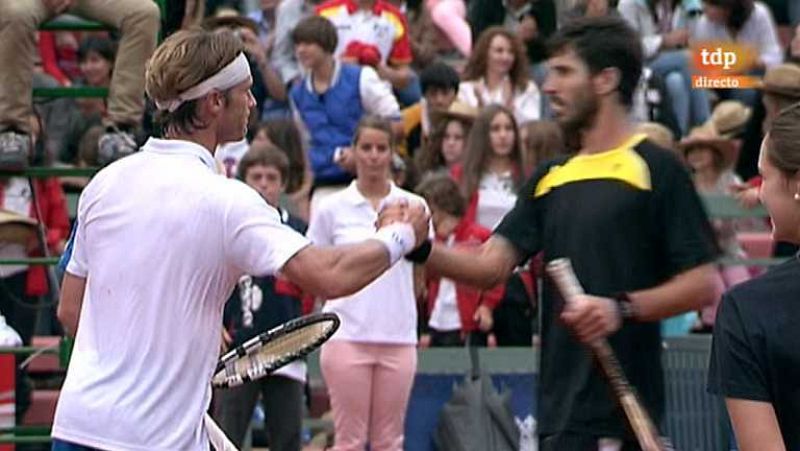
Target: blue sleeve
<point x="64" y="261"/>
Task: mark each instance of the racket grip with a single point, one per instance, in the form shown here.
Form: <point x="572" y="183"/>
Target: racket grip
<point x="560" y="270"/>
<point x="216" y="436"/>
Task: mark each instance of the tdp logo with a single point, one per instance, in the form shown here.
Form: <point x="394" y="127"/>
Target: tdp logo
<point x="723" y="58"/>
<point x="718" y="57"/>
<point x="723" y="65"/>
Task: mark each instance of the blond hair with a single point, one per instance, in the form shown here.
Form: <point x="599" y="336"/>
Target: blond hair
<point x="183" y="60"/>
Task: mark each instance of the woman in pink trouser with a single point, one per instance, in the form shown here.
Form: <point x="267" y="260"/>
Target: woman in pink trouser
<point x="369" y="386"/>
<point x="370" y="362"/>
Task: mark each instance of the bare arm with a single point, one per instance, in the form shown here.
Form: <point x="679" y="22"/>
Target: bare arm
<point x="399" y="130"/>
<point x="398" y="76"/>
<point x="332" y="272"/>
<point x="336" y="271"/>
<point x="273" y="82"/>
<point x="594" y="317"/>
<point x="490" y="266"/>
<point x="690" y="290"/>
<point x="70" y="302"/>
<point x="755" y="424"/>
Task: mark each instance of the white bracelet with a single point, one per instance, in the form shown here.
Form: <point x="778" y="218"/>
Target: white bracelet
<point x="398" y="239"/>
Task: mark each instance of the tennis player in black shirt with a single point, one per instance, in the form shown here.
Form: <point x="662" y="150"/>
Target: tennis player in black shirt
<point x="625" y="212"/>
<point x="755" y="356"/>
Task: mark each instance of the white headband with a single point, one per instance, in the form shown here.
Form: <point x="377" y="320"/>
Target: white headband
<point x="229" y="76"/>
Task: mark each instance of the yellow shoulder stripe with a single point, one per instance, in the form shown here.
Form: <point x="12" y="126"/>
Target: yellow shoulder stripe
<point x="622" y="164"/>
<point x="331" y="11"/>
<point x="399" y="29"/>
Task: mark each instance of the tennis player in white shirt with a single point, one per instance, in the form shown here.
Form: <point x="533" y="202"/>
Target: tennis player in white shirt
<point x="161" y="241"/>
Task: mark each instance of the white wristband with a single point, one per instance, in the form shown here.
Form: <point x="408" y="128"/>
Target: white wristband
<point x="398" y="239"/>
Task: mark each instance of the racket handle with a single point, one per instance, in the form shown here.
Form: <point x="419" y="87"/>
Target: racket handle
<point x="560" y="270"/>
<point x="217" y="437"/>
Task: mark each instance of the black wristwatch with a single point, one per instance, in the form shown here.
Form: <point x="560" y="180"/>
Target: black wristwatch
<point x="627" y="309"/>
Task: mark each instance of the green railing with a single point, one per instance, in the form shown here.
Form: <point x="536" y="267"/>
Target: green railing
<point x="53" y="171"/>
<point x="694" y="420"/>
<point x="69" y="22"/>
<point x="71" y="92"/>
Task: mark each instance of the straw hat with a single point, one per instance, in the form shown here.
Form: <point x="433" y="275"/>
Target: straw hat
<point x="658" y="134"/>
<point x="15" y="228"/>
<point x="457" y="110"/>
<point x="730" y="117"/>
<point x="782" y="80"/>
<point x="707" y="136"/>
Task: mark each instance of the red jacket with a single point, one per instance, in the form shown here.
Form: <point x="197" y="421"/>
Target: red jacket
<point x="467" y="234"/>
<point x="471" y="215"/>
<point x="55" y="218"/>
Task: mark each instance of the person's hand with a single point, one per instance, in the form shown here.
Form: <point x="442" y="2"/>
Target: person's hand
<point x="483" y="315"/>
<point x="675" y="39"/>
<point x="269" y="44"/>
<point x="794" y="46"/>
<point x="746" y="195"/>
<point x="391" y="212"/>
<point x="56" y="7"/>
<point x="410" y="212"/>
<point x="252" y="46"/>
<point x="346" y="160"/>
<point x="592" y="318"/>
<point x="226" y="341"/>
<point x="425" y="341"/>
<point x="8" y="336"/>
<point x="528" y="28"/>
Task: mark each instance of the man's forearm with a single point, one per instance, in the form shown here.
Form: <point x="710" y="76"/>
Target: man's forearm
<point x="333" y="272"/>
<point x="689" y="290"/>
<point x="485" y="267"/>
<point x="70" y="303"/>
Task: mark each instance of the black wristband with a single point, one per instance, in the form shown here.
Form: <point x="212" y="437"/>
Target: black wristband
<point x="627" y="310"/>
<point x="421" y="253"/>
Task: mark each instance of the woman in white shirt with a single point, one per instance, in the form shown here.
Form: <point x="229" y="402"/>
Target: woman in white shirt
<point x="664" y="26"/>
<point x="497" y="73"/>
<point x="745" y="22"/>
<point x="370" y="363"/>
<point x="492" y="172"/>
<point x="493" y="166"/>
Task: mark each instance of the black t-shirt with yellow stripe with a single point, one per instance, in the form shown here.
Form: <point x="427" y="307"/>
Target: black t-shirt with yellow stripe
<point x="628" y="218"/>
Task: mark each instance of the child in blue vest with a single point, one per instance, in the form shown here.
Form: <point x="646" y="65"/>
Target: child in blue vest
<point x="331" y="99"/>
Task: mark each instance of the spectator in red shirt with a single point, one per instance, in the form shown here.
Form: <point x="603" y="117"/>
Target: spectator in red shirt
<point x="375" y="33"/>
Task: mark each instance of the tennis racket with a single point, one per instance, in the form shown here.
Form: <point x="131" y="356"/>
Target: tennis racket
<point x="217" y="437"/>
<point x="560" y="270"/>
<point x="265" y="353"/>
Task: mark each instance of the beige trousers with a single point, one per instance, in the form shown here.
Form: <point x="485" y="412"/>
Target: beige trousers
<point x="138" y="22"/>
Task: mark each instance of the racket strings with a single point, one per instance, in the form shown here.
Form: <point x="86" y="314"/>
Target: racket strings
<point x="273" y="353"/>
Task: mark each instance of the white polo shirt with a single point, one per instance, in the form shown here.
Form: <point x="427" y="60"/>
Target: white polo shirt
<point x="161" y="240"/>
<point x="384" y="311"/>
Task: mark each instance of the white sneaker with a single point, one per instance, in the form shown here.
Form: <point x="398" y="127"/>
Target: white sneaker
<point x="15" y="150"/>
<point x="115" y="144"/>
